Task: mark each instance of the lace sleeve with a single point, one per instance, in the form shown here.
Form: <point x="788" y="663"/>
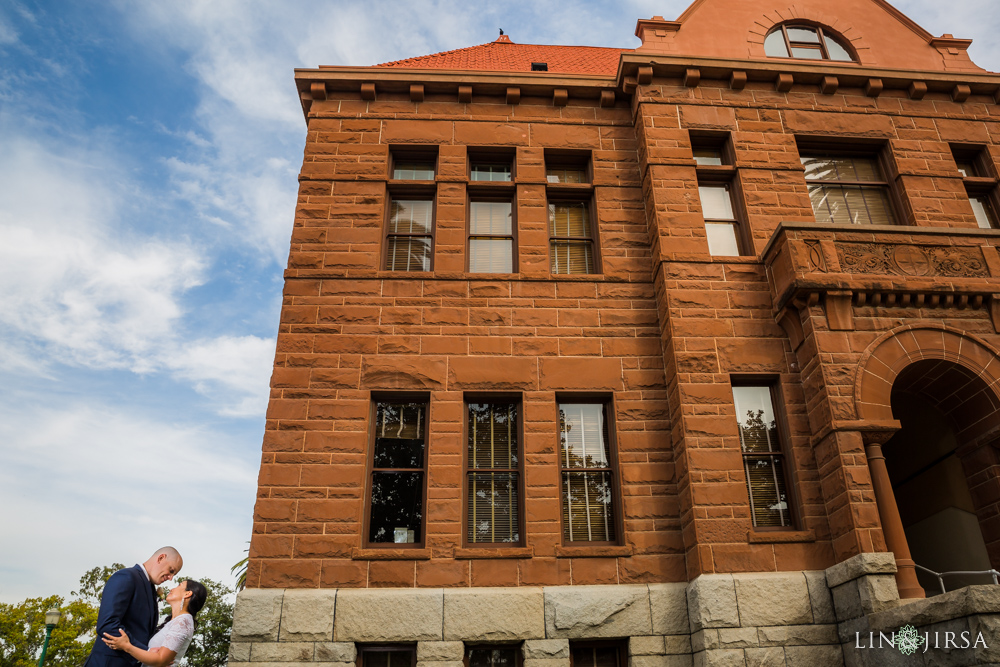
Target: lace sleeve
<point x="177" y="634"/>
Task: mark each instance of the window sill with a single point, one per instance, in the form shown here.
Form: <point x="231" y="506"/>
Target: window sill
<point x="391" y="554"/>
<point x="594" y="552"/>
<point x="780" y="536"/>
<point x="474" y="553"/>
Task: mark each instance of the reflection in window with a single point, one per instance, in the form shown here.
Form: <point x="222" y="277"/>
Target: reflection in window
<point x="763" y="461"/>
<point x="587" y="475"/>
<point x="981" y="206"/>
<point x="491" y="237"/>
<point x="803" y="41"/>
<point x="492" y="656"/>
<point x="397" y="484"/>
<point x="493" y="465"/>
<point x="408" y="243"/>
<point x="565" y="174"/>
<point x="848" y="190"/>
<point x="491" y="171"/>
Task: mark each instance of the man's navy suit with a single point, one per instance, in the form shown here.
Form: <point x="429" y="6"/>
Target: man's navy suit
<point x="128" y="602"/>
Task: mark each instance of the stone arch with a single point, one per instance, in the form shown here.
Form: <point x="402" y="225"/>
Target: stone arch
<point x="842" y="28"/>
<point x="973" y="376"/>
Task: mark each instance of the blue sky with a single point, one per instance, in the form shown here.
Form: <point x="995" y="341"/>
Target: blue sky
<point x="148" y="161"/>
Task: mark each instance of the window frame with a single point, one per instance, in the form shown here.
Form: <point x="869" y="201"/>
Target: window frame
<point x="370" y="469"/>
<point x="620" y="646"/>
<point x="878" y="151"/>
<point x="617" y="520"/>
<point x="493" y="397"/>
<point x="983" y="183"/>
<point x="516" y="646"/>
<point x="495" y="194"/>
<point x="403" y="189"/>
<point x="773" y="385"/>
<point x="573" y="193"/>
<point x="822" y="33"/>
<point x="725" y="174"/>
<point x="362" y="649"/>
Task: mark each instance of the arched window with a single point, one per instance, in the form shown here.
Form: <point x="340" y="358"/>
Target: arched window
<point x="805" y="41"/>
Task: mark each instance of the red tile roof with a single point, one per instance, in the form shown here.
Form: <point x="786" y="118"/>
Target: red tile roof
<point x="504" y="55"/>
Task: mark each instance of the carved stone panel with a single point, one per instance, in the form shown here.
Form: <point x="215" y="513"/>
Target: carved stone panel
<point x="912" y="260"/>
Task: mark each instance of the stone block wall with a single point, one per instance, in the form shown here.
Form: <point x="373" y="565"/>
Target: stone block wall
<point x="723" y="619"/>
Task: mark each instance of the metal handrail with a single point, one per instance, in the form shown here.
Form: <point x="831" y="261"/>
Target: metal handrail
<point x="941" y="575"/>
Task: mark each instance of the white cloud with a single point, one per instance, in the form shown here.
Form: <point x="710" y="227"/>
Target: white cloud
<point x="85" y="485"/>
<point x="237" y="368"/>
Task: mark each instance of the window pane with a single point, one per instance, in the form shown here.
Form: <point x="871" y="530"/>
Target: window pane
<point x="493" y="507"/>
<point x="490" y="255"/>
<point x="722" y="239"/>
<point x="501" y="656"/>
<point x="493" y="435"/>
<point x="569" y="219"/>
<point x="587" y="507"/>
<point x="408" y="254"/>
<point x="491" y="172"/>
<point x="984" y="212"/>
<point x="489" y="217"/>
<point x="774" y="45"/>
<point x="565" y="174"/>
<point x="575" y="257"/>
<point x="836" y="51"/>
<point x="398" y="453"/>
<point x="397" y="507"/>
<point x="842" y="169"/>
<point x="410" y="216"/>
<point x="413" y="171"/>
<point x="390" y="658"/>
<point x="807" y="52"/>
<point x="966" y="168"/>
<point x="716" y="204"/>
<point x="583" y="436"/>
<point x="851" y="204"/>
<point x="594" y="656"/>
<point x="768" y="495"/>
<point x="755" y="417"/>
<point x="400" y="420"/>
<point x="801" y="34"/>
<point x="709" y="156"/>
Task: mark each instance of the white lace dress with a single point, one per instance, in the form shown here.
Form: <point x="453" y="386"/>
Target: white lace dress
<point x="175" y="636"/>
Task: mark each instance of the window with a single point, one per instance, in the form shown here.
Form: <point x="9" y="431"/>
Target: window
<point x="397" y="478"/>
<point x="409" y="237"/>
<point x="493" y="473"/>
<point x="848" y="189"/>
<point x="571" y="227"/>
<point x="763" y="460"/>
<point x="387" y="656"/>
<point x="491" y="237"/>
<point x="588" y="480"/>
<point x="493" y="656"/>
<point x="716" y="184"/>
<point x="595" y="654"/>
<point x="490" y="171"/>
<point x="805" y="41"/>
<point x="975" y="166"/>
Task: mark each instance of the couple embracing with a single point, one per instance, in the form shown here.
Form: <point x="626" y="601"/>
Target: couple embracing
<point x="127" y="632"/>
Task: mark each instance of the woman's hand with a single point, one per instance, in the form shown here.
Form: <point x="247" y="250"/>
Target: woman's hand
<point x="119" y="643"/>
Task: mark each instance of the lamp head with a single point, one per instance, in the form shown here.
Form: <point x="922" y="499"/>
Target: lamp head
<point x="52" y="616"/>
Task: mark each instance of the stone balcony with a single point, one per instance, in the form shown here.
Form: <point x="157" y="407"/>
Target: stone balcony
<point x="879" y="266"/>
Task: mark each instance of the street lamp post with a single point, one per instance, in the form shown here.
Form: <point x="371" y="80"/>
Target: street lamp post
<point x="51" y="620"/>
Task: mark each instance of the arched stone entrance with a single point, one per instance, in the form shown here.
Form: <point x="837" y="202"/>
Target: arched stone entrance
<point x="936" y="478"/>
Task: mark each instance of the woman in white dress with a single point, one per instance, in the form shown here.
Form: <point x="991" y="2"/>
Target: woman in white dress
<point x="172" y="639"/>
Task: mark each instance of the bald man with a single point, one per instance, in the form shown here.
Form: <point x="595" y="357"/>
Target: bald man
<point x="129" y="602"/>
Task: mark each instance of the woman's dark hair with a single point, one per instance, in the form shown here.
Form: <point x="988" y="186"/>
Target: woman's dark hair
<point x="199" y="594"/>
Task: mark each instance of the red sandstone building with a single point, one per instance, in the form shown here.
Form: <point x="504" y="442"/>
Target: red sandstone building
<point x="681" y="354"/>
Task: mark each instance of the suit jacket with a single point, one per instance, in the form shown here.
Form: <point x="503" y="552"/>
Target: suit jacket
<point x="128" y="602"/>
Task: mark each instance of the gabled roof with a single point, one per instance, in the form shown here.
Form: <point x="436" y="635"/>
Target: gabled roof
<point x="504" y="55"/>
